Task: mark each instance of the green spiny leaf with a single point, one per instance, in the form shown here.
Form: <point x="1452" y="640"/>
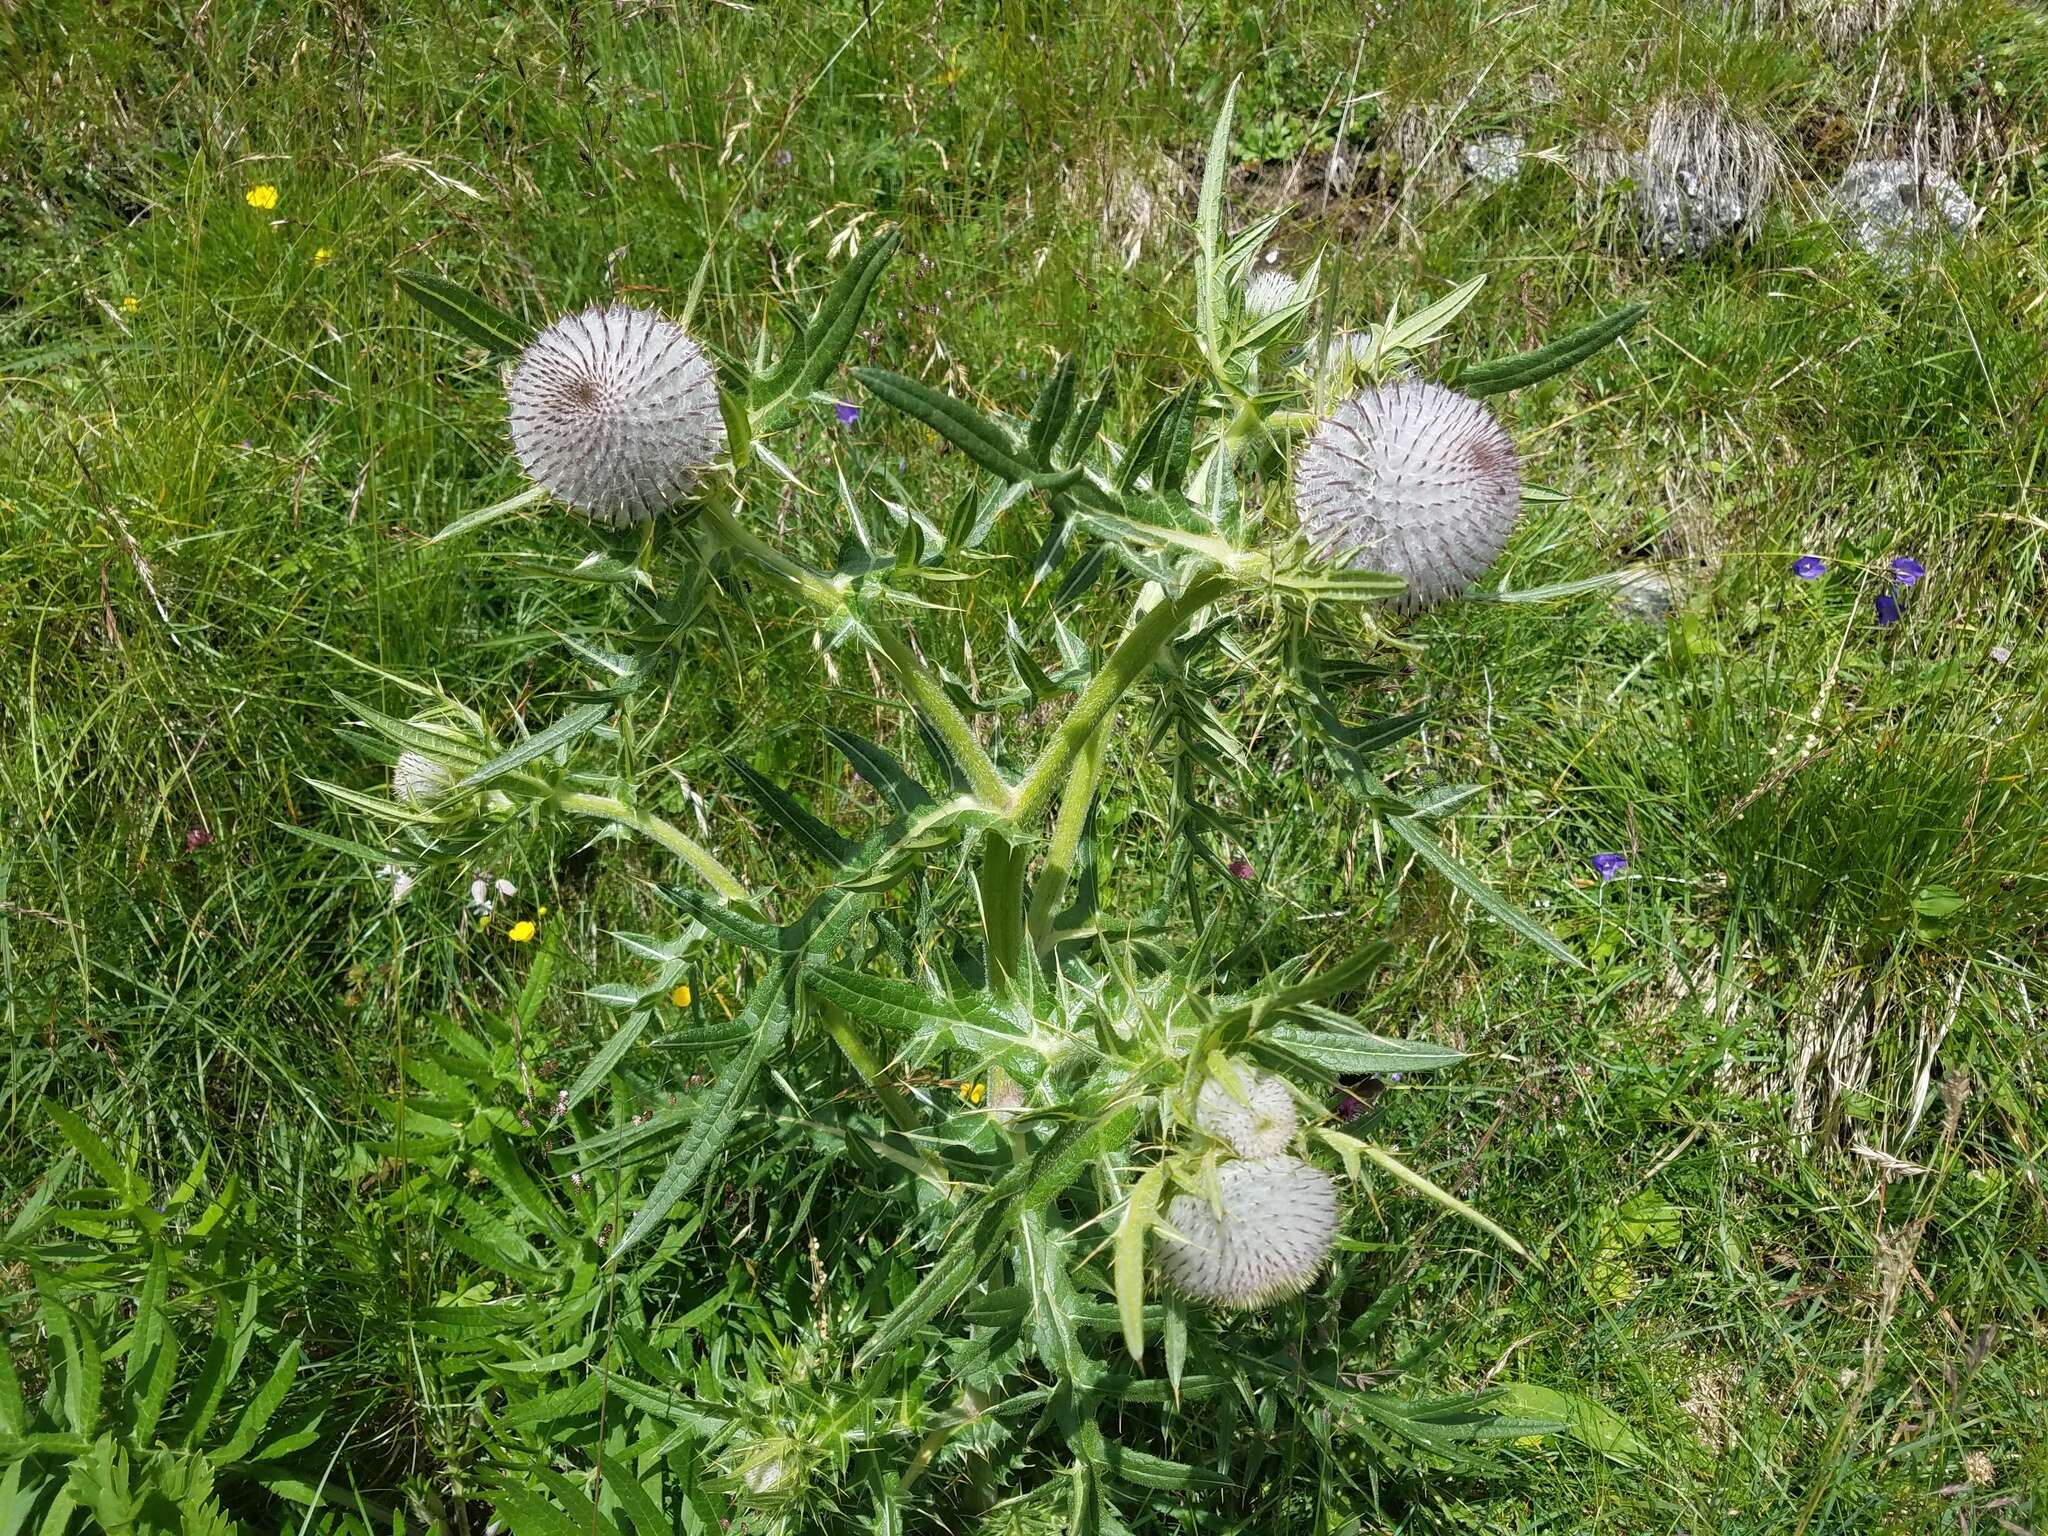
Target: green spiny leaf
<point x="472" y="318"/>
<point x="1568" y="351"/>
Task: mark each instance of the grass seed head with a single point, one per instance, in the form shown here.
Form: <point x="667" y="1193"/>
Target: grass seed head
<point x="615" y="410"/>
<point x="1265" y="1239"/>
<point x="1262" y="1126"/>
<point x="1413" y="479"/>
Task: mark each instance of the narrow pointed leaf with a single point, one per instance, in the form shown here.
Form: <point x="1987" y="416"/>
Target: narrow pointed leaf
<point x="580" y="721"/>
<point x="793" y="816"/>
<point x="767" y="1010"/>
<point x="256" y="1416"/>
<point x="955" y="420"/>
<point x="1568" y="351"/>
<point x="470" y="317"/>
<point x="890" y="779"/>
<point x="1433" y="853"/>
<point x="1209" y="233"/>
<point x="1130" y="1257"/>
<point x="1049" y="416"/>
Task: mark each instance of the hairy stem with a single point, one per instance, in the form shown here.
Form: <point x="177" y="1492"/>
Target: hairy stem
<point x="1000" y="882"/>
<point x="799" y="578"/>
<point x="864" y="1061"/>
<point x="910" y="674"/>
<point x="664" y="832"/>
<point x="1127" y="663"/>
<point x="1067" y="828"/>
<point x="930" y="696"/>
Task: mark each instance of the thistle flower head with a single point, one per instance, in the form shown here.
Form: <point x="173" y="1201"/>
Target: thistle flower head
<point x="615" y="410"/>
<point x="1267" y="292"/>
<point x="1265" y="1238"/>
<point x="1413" y="479"/>
<point x="416" y="777"/>
<point x="1261" y="1126"/>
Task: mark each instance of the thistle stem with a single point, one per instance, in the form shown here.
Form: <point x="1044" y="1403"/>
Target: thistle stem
<point x="1127" y="663"/>
<point x="1067" y="828"/>
<point x="1000" y="882"/>
<point x="659" y="830"/>
<point x="930" y="696"/>
<point x="862" y="1058"/>
<point x="806" y="583"/>
<point x="910" y="674"/>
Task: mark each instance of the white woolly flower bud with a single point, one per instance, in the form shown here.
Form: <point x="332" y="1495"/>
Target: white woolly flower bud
<point x="1414" y="479"/>
<point x="1267" y="292"/>
<point x="416" y="777"/>
<point x="1262" y="1126"/>
<point x="1268" y="1240"/>
<point x="615" y="410"/>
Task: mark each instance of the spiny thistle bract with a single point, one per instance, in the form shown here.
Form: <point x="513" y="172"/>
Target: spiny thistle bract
<point x="1267" y="292"/>
<point x="1414" y="479"/>
<point x="416" y="777"/>
<point x="615" y="410"/>
<point x="1261" y="1126"/>
<point x="1265" y="1239"/>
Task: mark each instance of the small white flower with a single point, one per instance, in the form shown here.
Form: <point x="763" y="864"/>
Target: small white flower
<point x="401" y="881"/>
<point x="480" y="893"/>
<point x="1262" y="1126"/>
<point x="1413" y="479"/>
<point x="505" y="887"/>
<point x="1266" y="1238"/>
<point x="615" y="410"/>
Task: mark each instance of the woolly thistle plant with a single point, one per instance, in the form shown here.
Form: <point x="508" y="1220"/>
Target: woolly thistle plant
<point x="1254" y="1114"/>
<point x="944" y="924"/>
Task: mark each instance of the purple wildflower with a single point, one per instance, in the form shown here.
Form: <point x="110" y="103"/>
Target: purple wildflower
<point x="1887" y="610"/>
<point x="1809" y="567"/>
<point x="1907" y="571"/>
<point x="197" y="838"/>
<point x="847" y="412"/>
<point x="783" y="157"/>
<point x="1608" y="865"/>
<point x="1242" y="869"/>
<point x="1348" y="1105"/>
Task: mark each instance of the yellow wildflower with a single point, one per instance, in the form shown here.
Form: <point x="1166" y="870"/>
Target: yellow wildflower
<point x="522" y="931"/>
<point x="974" y="1093"/>
<point x="681" y="996"/>
<point x="131" y="303"/>
<point x="263" y="195"/>
<point x="322" y="256"/>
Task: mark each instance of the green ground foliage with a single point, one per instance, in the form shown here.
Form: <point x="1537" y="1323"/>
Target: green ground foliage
<point x="291" y="1234"/>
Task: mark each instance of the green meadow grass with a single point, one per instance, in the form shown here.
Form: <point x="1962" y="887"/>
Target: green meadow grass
<point x="225" y="442"/>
